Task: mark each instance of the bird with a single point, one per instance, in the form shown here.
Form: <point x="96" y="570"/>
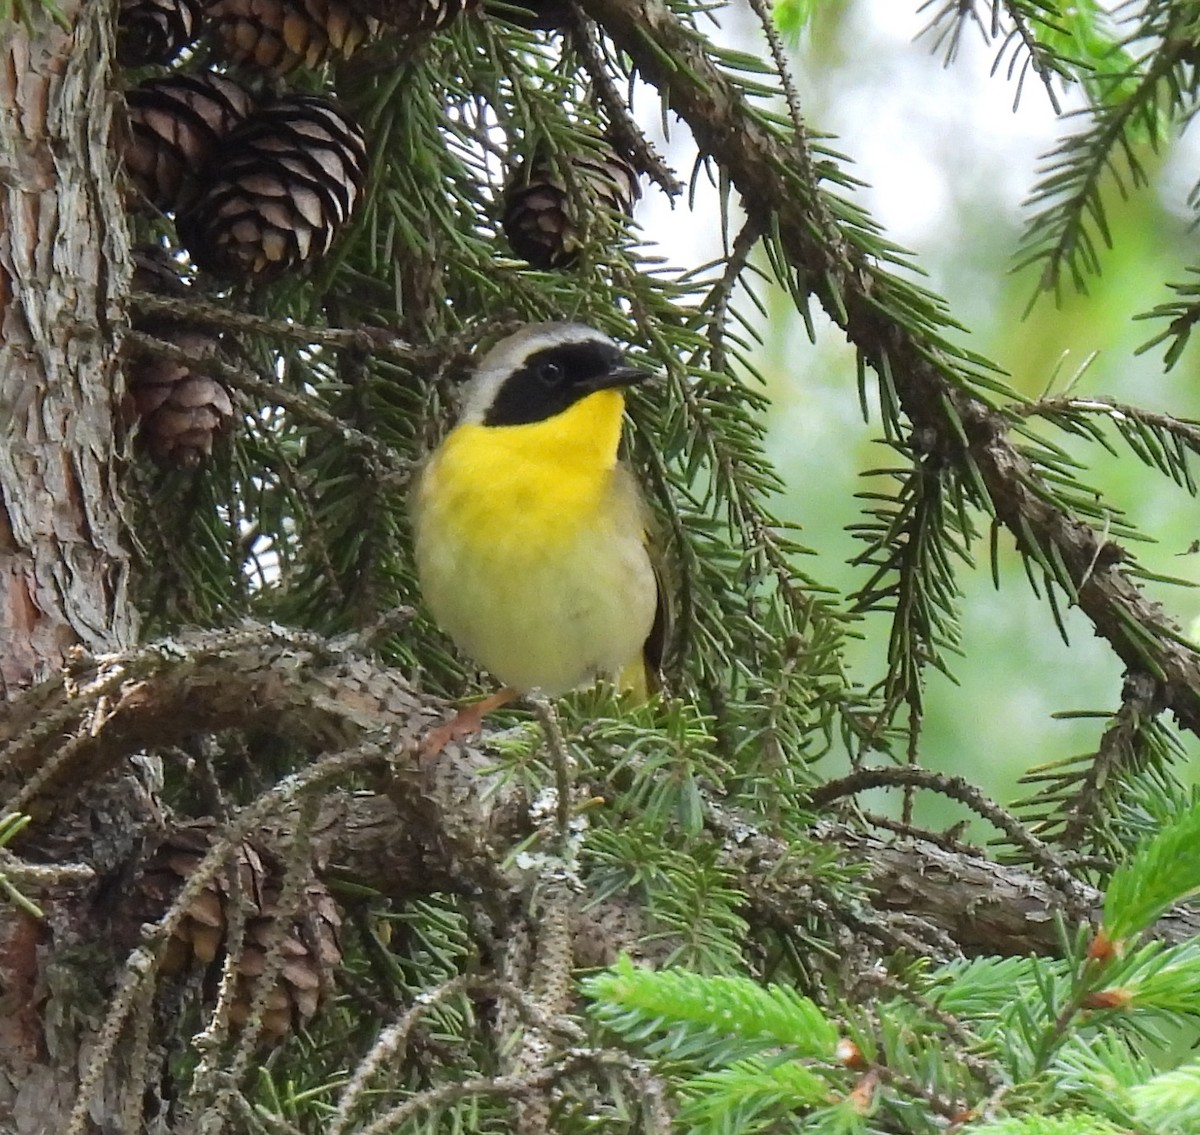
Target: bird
<point x="532" y="539"/>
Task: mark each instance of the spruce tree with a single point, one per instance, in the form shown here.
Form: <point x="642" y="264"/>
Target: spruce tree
<point x="248" y="256"/>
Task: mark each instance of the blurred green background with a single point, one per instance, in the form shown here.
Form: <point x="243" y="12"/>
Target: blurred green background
<point x="949" y="162"/>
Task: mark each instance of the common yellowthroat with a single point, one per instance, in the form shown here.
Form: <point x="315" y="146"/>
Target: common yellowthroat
<point x="532" y="538"/>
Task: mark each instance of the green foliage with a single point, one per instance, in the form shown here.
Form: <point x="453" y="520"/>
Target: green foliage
<point x="792" y="16"/>
<point x="1160" y="873"/>
<point x="1098" y="802"/>
<point x="702" y="1015"/>
<point x="748" y="1096"/>
<point x="303" y="518"/>
<point x="11" y="826"/>
<point x="1140" y="85"/>
<point x="1078" y="1124"/>
<point x="1079" y="1036"/>
<point x="1170" y="1102"/>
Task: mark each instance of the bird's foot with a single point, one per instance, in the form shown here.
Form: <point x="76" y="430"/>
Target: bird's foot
<point x="465" y="723"/>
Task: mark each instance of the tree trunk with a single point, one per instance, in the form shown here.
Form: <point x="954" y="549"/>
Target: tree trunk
<point x="64" y="264"/>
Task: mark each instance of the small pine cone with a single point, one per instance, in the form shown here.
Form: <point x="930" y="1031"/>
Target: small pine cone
<point x="408" y="16"/>
<point x="308" y="946"/>
<point x="539" y="15"/>
<point x="290" y="179"/>
<point x="176" y="126"/>
<point x="280" y="35"/>
<point x="308" y="951"/>
<point x="540" y="216"/>
<point x="200" y="934"/>
<point x="180" y="411"/>
<point x="155" y="31"/>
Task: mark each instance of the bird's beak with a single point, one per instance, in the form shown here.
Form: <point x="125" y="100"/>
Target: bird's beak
<point x="621" y="376"/>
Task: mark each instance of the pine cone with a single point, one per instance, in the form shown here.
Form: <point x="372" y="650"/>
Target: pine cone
<point x="540" y="216"/>
<point x="407" y="16"/>
<point x="309" y="947"/>
<point x="280" y="35"/>
<point x="539" y="15"/>
<point x="289" y="180"/>
<point x="176" y="126"/>
<point x="155" y="31"/>
<point x="200" y="934"/>
<point x="180" y="411"/>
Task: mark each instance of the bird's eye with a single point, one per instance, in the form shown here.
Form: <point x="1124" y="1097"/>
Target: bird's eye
<point x="550" y="374"/>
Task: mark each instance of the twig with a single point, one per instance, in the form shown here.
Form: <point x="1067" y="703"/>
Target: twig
<point x="989" y="1075"/>
<point x="390" y="1045"/>
<point x="1118" y="750"/>
<point x="562" y="762"/>
<point x="1184" y="428"/>
<point x="945" y="840"/>
<point x="511" y="1087"/>
<point x="938" y="1104"/>
<point x="966" y="793"/>
<point x="766" y="19"/>
<point x="377" y="341"/>
<point x="44" y="874"/>
<point x="719" y="298"/>
<point x="1034" y="58"/>
<point x="627" y="134"/>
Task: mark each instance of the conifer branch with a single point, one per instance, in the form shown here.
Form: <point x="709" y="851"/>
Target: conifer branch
<point x="625" y="131"/>
<point x="777" y="178"/>
<point x="378" y="341"/>
<point x="1160" y="440"/>
<point x="956" y="788"/>
<point x="446" y="828"/>
<point x="1070" y="224"/>
<point x="301" y="406"/>
<point x="1024" y="41"/>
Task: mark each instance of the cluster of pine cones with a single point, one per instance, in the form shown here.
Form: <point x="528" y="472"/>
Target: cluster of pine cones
<point x="260" y="185"/>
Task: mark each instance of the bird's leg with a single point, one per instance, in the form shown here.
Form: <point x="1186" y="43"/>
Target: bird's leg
<point x="467" y="721"/>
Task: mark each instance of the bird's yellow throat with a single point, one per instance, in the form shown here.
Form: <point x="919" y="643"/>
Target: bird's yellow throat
<point x="556" y="470"/>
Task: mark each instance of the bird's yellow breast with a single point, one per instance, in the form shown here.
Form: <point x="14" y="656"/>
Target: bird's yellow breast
<point x="530" y="544"/>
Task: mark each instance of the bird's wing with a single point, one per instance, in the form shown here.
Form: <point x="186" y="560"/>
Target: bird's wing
<point x="656" y="647"/>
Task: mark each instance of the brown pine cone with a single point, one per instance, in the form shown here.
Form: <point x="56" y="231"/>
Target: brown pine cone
<point x="180" y="411"/>
<point x="280" y="35"/>
<point x="541" y="217"/>
<point x="287" y="184"/>
<point x="177" y="124"/>
<point x="308" y="946"/>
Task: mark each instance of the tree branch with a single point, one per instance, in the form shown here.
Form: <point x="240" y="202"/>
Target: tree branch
<point x="324" y="695"/>
<point x="446" y="826"/>
<point x="303" y="407"/>
<point x="984" y="907"/>
<point x="379" y="341"/>
<point x="778" y="178"/>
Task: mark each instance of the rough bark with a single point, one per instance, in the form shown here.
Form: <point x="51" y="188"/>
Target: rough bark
<point x="63" y="569"/>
